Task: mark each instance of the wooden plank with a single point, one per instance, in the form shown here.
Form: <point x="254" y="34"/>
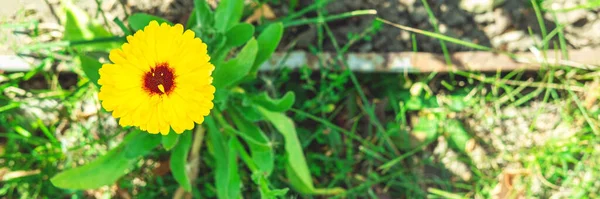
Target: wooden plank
<point x="423" y="62"/>
<point x="410" y="62"/>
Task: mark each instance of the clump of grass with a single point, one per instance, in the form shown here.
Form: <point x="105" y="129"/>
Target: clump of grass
<point x="555" y="162"/>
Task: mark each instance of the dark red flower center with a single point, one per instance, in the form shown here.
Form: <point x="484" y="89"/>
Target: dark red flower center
<point x="159" y="80"/>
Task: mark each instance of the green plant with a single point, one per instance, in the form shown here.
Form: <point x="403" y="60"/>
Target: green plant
<point x="233" y="126"/>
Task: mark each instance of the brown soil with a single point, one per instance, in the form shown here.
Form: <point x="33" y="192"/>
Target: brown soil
<point x="504" y="28"/>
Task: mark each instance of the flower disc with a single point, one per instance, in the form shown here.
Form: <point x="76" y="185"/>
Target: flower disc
<point x="160" y="79"/>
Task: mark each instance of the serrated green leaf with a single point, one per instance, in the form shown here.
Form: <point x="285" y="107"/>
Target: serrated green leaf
<point x="260" y="147"/>
<point x="296" y="167"/>
<point x="179" y="157"/>
<point x="228" y="14"/>
<point x="105" y="170"/>
<point x="169" y="141"/>
<point x="234" y="70"/>
<point x="201" y="17"/>
<point x="239" y="34"/>
<point x="138" y="21"/>
<point x="268" y="41"/>
<point x="90" y="67"/>
<point x="278" y="105"/>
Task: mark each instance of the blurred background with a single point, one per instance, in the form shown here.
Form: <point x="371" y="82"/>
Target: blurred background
<point x="394" y="98"/>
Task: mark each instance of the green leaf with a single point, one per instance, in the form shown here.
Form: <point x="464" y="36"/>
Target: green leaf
<point x="459" y="101"/>
<point x="221" y="97"/>
<point x="234" y="184"/>
<point x="145" y="143"/>
<point x="263" y="184"/>
<point x="122" y="26"/>
<point x="79" y="26"/>
<point x="217" y="142"/>
<point x="415" y="103"/>
<point x="297" y="181"/>
<point x="268" y="41"/>
<point x="277" y="105"/>
<point x="234" y="70"/>
<point x="457" y="135"/>
<point x="250" y="113"/>
<point x="296" y="167"/>
<point x="228" y="14"/>
<point x="456" y="103"/>
<point x="227" y="179"/>
<point x="260" y="147"/>
<point x="202" y="16"/>
<point x="20" y="130"/>
<point x="138" y="21"/>
<point x="90" y="67"/>
<point x="105" y="170"/>
<point x="169" y="141"/>
<point x="216" y="47"/>
<point x="425" y="130"/>
<point x="179" y="157"/>
<point x="239" y="34"/>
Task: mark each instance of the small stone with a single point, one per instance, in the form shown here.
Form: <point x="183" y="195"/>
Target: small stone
<point x="405" y="35"/>
<point x="501" y="23"/>
<point x="443" y="28"/>
<point x="407" y="2"/>
<point x="510" y="112"/>
<point x="479" y="6"/>
<point x="513" y="35"/>
<point x="444" y="8"/>
<point x="569" y="17"/>
<point x="486" y="17"/>
<point x="507" y="38"/>
<point x="524" y="44"/>
<point x="419" y="14"/>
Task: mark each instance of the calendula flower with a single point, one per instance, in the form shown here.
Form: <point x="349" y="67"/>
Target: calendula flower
<point x="160" y="79"/>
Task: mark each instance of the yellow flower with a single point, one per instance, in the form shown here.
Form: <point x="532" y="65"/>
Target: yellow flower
<point x="160" y="79"/>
